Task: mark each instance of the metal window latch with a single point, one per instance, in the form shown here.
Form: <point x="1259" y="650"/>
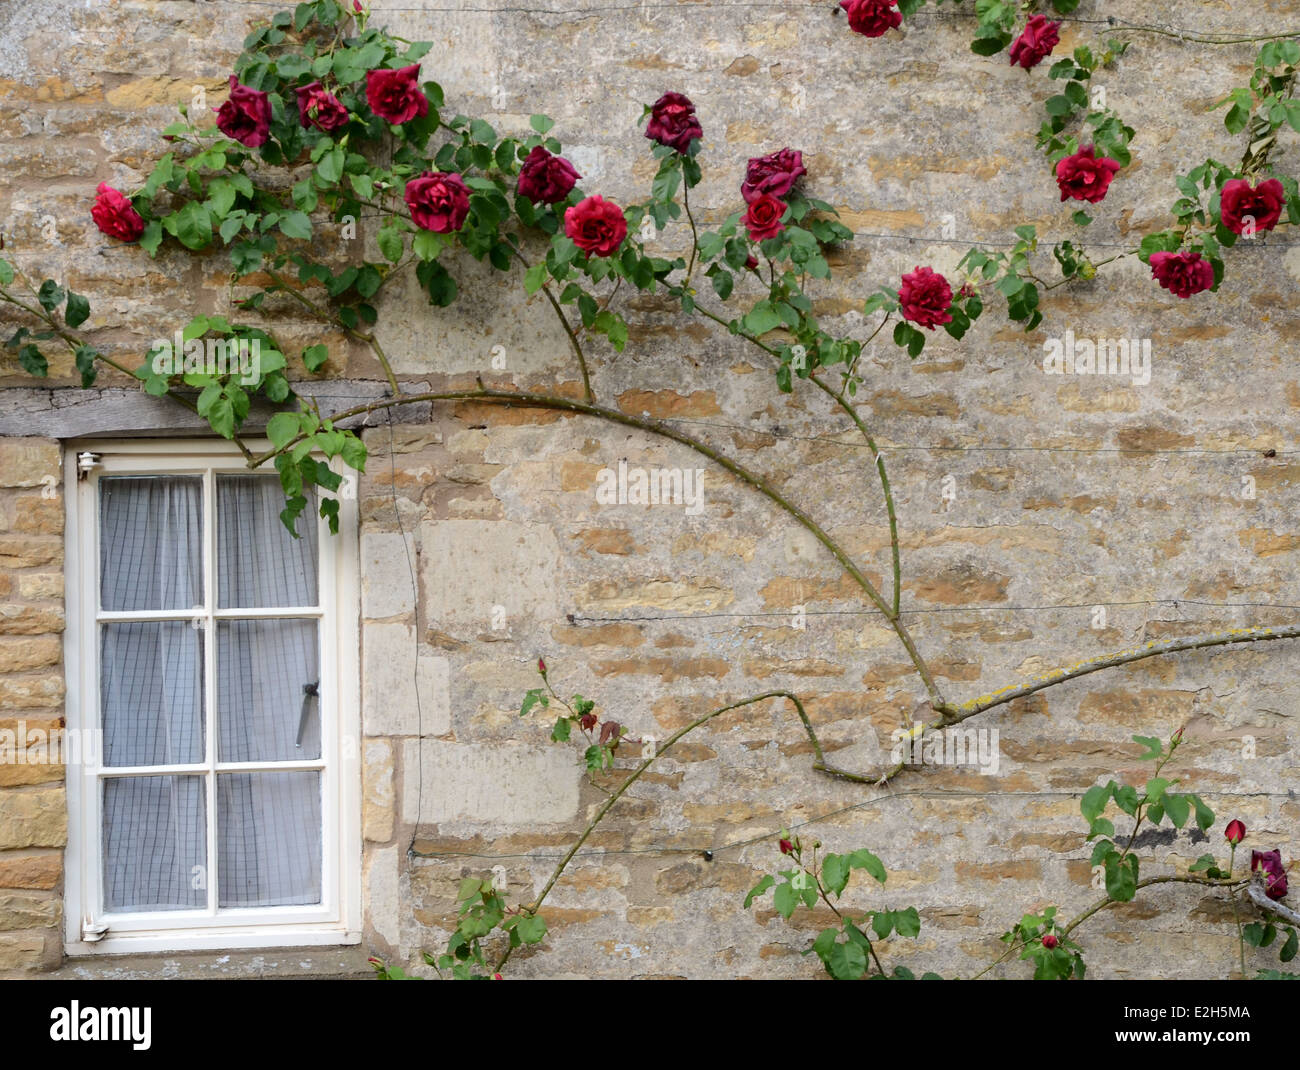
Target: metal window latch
<point x="87" y="462"/>
<point x="309" y="692"/>
<point x="92" y="933"/>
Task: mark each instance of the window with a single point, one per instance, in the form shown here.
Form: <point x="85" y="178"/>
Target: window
<point x="212" y="694"/>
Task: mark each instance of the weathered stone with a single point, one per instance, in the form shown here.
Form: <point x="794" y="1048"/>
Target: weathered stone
<point x="41" y="870"/>
<point x="406" y="692"/>
<point x="29" y="462"/>
<point x="37" y="818"/>
<point x="19" y="910"/>
<point x="507" y="785"/>
<point x="377" y="811"/>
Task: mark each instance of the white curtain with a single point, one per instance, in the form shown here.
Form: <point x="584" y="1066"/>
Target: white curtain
<point x="152" y="701"/>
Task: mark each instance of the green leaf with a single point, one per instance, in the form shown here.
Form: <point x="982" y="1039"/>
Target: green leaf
<point x="563" y="727"/>
<point x="531" y="928"/>
<point x="762" y="318"/>
<point x="847" y="962"/>
<point x="1153" y="745"/>
<point x="6" y="272"/>
<point x="762" y="886"/>
<point x="835" y="872"/>
<point x="1290" y="947"/>
<point x="50" y="295"/>
<point x="535" y="278"/>
<point x="907" y="922"/>
<point x="77" y="311"/>
<point x="191" y="225"/>
<point x="295" y="225"/>
<point x="86" y="357"/>
<point x="33" y="361"/>
<point x="785" y="899"/>
<point x="1094" y="801"/>
<point x="864" y="859"/>
<point x="282" y="428"/>
<point x="882" y="923"/>
<point x="532" y="698"/>
<point x="354" y="452"/>
<point x="427" y="245"/>
<point x="541" y="123"/>
<point x="315" y="356"/>
<point x="1204" y="815"/>
<point x="1155" y="789"/>
<point x="1082" y="218"/>
<point x="391" y="244"/>
<point x="1178" y="809"/>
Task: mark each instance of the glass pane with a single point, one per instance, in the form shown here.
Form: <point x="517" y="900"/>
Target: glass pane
<point x="269" y="839"/>
<point x="151" y="693"/>
<point x="259" y="564"/>
<point x="262" y="667"/>
<point x="155" y="843"/>
<point x="151" y="542"/>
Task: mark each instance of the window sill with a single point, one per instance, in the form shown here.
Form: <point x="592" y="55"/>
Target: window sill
<point x="316" y="963"/>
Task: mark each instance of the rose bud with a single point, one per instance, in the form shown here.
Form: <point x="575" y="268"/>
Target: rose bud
<point x="751" y="262"/>
<point x="497" y="977"/>
<point x="1050" y="941"/>
<point x="541" y="666"/>
<point x="786" y="847"/>
<point x="320" y="109"/>
<point x="1235" y="832"/>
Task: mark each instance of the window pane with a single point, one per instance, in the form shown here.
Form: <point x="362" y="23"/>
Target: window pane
<point x="151" y="539"/>
<point x="259" y="564"/>
<point x="269" y="839"/>
<point x="262" y="667"/>
<point x="155" y="843"/>
<point x="151" y="693"/>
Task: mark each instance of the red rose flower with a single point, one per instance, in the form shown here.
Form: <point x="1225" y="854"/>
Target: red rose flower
<point x="596" y="226"/>
<point x="320" y="109"/>
<point x="786" y="847"/>
<point x="395" y="95"/>
<point x="751" y="262"/>
<point x="541" y="666"/>
<point x="1035" y="42"/>
<point x="114" y="215"/>
<point x="872" y="18"/>
<point x="1235" y="832"/>
<point x="546" y="179"/>
<point x="673" y="123"/>
<point x="763" y="219"/>
<point x="1085" y="177"/>
<point x="1274" y="872"/>
<point x="925" y="296"/>
<point x="1262" y="203"/>
<point x="1183" y="274"/>
<point x="246" y="115"/>
<point x="774" y="174"/>
<point x="438" y="201"/>
<point x="1050" y="941"/>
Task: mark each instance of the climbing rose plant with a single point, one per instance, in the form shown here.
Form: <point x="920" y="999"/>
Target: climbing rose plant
<point x="328" y="119"/>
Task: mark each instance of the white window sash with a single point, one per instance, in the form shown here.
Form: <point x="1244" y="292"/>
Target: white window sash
<point x="337" y="918"/>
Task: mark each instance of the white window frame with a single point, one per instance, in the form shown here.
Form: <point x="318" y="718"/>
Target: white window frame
<point x="337" y="919"/>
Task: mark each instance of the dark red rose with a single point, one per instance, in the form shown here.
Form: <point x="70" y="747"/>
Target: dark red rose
<point x="872" y="18"/>
<point x="1035" y="42"/>
<point x="546" y="179"/>
<point x="596" y="225"/>
<point x="673" y="123"/>
<point x="1235" y="832"/>
<point x="775" y="174"/>
<point x="246" y="115"/>
<point x="395" y="95"/>
<point x="1050" y="941"/>
<point x="114" y="215"/>
<point x="925" y="296"/>
<point x="320" y="109"/>
<point x="1183" y="274"/>
<point x="786" y="847"/>
<point x="1085" y="177"/>
<point x="1262" y="203"/>
<point x="763" y="219"/>
<point x="1274" y="872"/>
<point x="588" y="721"/>
<point x="751" y="262"/>
<point x="541" y="666"/>
<point x="438" y="201"/>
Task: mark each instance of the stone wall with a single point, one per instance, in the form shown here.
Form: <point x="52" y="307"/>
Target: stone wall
<point x="1024" y="499"/>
